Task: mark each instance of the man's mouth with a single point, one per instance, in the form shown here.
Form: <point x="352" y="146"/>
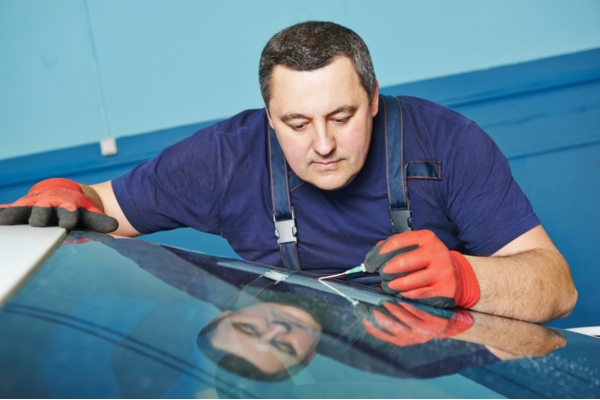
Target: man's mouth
<point x="326" y="165"/>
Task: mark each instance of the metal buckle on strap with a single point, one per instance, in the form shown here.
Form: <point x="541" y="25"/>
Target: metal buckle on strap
<point x="285" y="230"/>
<point x="401" y="220"/>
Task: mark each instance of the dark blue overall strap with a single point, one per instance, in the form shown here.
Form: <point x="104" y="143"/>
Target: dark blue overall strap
<point x="400" y="213"/>
<point x="283" y="212"/>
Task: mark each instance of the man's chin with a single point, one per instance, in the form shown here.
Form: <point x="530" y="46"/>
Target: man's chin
<point x="330" y="182"/>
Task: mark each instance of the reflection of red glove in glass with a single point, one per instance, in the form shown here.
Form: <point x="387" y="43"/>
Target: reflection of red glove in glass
<point x="57" y="202"/>
<point x="403" y="324"/>
<point x="423" y="269"/>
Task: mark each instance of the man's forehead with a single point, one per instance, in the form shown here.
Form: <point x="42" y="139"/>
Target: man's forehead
<point x="285" y="82"/>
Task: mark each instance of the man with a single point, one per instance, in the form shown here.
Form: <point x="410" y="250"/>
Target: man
<point x="476" y="243"/>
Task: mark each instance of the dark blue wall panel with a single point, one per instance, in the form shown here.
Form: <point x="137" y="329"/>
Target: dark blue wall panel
<point x="544" y="115"/>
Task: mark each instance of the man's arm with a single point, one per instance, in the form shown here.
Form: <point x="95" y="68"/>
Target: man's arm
<point x="528" y="279"/>
<point x="508" y="339"/>
<point x="404" y="324"/>
<point x="103" y="196"/>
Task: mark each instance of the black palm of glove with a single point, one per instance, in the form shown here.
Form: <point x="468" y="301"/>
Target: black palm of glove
<point x="374" y="260"/>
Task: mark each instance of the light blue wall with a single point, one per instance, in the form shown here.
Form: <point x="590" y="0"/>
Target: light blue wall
<point x="76" y="71"/>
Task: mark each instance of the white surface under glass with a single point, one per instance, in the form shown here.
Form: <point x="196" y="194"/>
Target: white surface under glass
<point x="22" y="249"/>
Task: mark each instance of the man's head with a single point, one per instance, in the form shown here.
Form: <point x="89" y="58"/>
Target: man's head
<point x="265" y="341"/>
<point x="319" y="87"/>
<point x="311" y="45"/>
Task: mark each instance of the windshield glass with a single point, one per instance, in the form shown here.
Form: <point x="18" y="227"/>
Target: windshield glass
<point x="108" y="317"/>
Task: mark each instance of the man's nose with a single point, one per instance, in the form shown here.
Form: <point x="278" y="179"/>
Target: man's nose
<point x="274" y="330"/>
<point x="324" y="141"/>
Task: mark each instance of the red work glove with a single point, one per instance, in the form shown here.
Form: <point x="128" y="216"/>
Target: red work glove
<point x="418" y="266"/>
<point x="57" y="202"/>
<point x="403" y="324"/>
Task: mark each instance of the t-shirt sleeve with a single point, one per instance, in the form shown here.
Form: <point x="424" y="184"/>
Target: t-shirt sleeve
<point x="485" y="203"/>
<point x="179" y="187"/>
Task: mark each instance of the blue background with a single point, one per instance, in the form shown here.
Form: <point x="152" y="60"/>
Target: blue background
<point x="73" y="72"/>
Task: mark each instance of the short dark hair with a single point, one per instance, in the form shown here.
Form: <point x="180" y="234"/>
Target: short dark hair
<point x="312" y="45"/>
<point x="238" y="365"/>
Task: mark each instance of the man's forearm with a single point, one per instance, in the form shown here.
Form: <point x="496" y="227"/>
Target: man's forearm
<point x="508" y="338"/>
<point x="534" y="285"/>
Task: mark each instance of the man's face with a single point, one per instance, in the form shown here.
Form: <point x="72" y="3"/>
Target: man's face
<point x="323" y="121"/>
<point x="269" y="335"/>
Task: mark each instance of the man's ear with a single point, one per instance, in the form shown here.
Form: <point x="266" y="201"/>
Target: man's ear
<point x="269" y="118"/>
<point x="375" y="100"/>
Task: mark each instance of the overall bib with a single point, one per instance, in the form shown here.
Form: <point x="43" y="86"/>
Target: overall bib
<point x="399" y="205"/>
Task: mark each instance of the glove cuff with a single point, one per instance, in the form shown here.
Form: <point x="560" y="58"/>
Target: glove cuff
<point x="459" y="322"/>
<point x="57" y="183"/>
<point x="468" y="291"/>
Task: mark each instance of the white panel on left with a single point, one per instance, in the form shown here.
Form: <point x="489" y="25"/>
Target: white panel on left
<point x="22" y="250"/>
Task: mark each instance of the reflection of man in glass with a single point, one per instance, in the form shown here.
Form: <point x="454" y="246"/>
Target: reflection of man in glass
<point x="264" y="341"/>
<point x="268" y="330"/>
<point x="265" y="331"/>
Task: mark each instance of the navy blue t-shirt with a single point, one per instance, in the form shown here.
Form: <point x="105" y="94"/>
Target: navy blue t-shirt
<point x="218" y="181"/>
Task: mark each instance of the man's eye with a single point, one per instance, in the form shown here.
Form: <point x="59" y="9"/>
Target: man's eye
<point x="298" y="127"/>
<point x="341" y="121"/>
<point x="246" y="328"/>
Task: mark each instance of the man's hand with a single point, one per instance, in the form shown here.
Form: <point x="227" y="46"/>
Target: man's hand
<point x="418" y="266"/>
<point x="403" y="324"/>
<point x="57" y="202"/>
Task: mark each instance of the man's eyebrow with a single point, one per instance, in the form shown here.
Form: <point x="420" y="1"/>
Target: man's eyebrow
<point x="289" y="117"/>
<point x="343" y="109"/>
